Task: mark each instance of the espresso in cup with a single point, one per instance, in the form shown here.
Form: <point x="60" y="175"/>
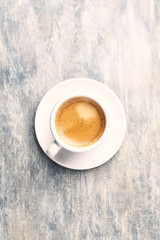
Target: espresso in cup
<point x="80" y="121"/>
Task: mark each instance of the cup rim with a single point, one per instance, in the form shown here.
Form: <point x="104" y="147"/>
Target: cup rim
<point x="58" y="138"/>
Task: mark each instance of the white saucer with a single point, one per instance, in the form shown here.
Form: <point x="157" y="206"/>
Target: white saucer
<point x="108" y="147"/>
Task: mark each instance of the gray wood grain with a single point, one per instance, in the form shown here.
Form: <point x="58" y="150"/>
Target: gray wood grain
<point x="43" y="43"/>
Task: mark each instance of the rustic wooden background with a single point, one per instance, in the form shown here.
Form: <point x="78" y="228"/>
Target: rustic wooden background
<point x="45" y="42"/>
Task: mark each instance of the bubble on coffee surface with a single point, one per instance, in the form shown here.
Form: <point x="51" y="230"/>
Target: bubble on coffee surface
<point x="86" y="110"/>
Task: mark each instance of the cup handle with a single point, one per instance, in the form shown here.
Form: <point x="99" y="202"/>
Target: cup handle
<point x="53" y="149"/>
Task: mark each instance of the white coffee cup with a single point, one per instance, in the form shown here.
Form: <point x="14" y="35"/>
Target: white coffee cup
<point x="58" y="143"/>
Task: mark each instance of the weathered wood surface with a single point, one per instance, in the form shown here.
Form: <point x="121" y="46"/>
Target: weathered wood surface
<point x="43" y="43"/>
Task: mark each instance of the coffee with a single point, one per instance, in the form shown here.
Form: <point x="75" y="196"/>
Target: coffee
<point x="80" y="121"/>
